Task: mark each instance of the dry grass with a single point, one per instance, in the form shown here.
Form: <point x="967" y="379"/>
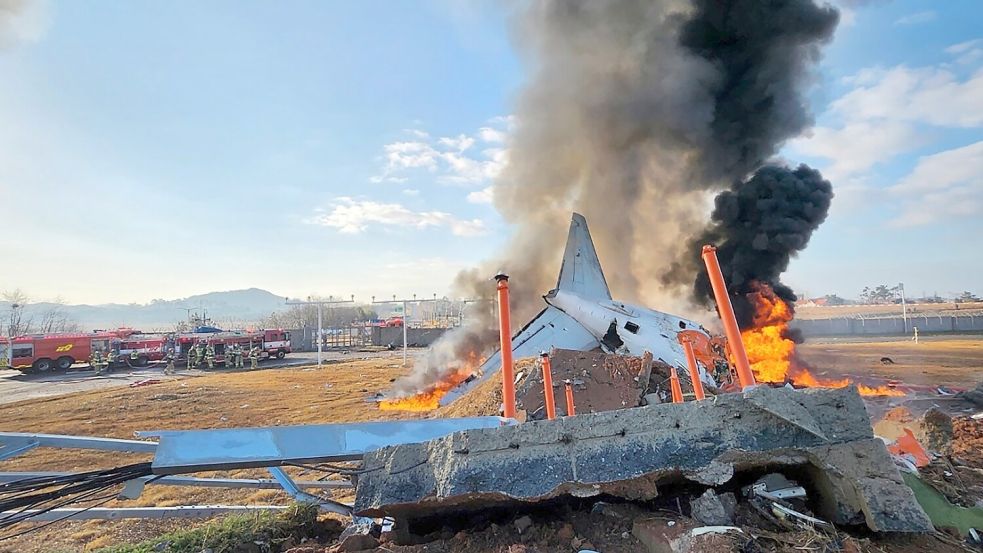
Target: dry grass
<point x="335" y="393"/>
<point x="932" y="361"/>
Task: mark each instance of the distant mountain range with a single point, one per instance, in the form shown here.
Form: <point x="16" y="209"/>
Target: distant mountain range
<point x="238" y="306"/>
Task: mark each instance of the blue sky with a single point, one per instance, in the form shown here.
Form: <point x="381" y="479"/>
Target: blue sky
<point x="158" y="150"/>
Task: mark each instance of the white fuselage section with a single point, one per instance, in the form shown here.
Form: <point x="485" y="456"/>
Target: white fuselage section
<point x="638" y="328"/>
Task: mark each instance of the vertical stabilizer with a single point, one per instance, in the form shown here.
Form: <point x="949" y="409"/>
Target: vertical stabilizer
<point x="581" y="271"/>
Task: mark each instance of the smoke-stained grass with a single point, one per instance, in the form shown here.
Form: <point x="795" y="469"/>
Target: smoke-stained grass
<point x="269" y="531"/>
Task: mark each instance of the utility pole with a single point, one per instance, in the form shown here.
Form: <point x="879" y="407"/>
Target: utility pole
<point x="405" y="303"/>
<point x="904" y="308"/>
<point x="320" y="304"/>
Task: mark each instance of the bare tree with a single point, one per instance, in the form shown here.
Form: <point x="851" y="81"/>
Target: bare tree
<point x="55" y="319"/>
<point x="16" y="321"/>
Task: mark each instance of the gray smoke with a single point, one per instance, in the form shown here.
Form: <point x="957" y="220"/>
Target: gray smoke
<point x="20" y="20"/>
<point x="636" y="112"/>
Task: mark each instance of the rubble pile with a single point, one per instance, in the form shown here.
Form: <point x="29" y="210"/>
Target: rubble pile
<point x="601" y="382"/>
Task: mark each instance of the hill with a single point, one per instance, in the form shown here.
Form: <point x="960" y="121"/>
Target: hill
<point x="229" y="308"/>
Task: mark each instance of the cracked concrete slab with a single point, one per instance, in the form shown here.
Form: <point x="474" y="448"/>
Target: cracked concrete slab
<point x="631" y="453"/>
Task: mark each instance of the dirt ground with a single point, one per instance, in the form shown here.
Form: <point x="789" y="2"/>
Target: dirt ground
<point x="933" y="361"/>
<point x="334" y="393"/>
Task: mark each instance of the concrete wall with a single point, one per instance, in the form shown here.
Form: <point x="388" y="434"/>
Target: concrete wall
<point x="417" y="337"/>
<point x="888" y="325"/>
<point x="302" y="339"/>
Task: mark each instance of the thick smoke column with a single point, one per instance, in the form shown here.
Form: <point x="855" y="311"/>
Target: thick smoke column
<point x="758" y="226"/>
<point x="636" y="112"/>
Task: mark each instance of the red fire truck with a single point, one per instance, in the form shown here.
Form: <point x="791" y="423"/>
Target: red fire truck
<point x="44" y="352"/>
<point x="271" y="342"/>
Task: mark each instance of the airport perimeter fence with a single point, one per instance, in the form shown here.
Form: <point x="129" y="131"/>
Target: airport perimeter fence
<point x="887" y="326"/>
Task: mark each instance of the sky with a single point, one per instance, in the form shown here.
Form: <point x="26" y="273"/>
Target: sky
<point x="160" y="150"/>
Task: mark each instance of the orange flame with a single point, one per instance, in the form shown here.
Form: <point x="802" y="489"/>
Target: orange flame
<point x="771" y="352"/>
<point x="429" y="398"/>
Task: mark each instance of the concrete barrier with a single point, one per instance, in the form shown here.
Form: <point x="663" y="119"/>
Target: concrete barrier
<point x="887" y="326"/>
<point x="415" y="337"/>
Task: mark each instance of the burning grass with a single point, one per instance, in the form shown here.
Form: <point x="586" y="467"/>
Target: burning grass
<point x="429" y="398"/>
<point x="772" y="351"/>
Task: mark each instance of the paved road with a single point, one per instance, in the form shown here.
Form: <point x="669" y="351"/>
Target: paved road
<point x="17" y="386"/>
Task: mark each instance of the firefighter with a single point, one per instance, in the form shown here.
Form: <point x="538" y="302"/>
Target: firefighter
<point x="134" y="358"/>
<point x="169" y="357"/>
<point x="254" y="357"/>
<point x="193" y="357"/>
<point x="110" y="359"/>
<point x="210" y="355"/>
<point x="95" y="360"/>
<point x="237" y="355"/>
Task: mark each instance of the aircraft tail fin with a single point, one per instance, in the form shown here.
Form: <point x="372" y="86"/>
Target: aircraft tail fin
<point x="581" y="270"/>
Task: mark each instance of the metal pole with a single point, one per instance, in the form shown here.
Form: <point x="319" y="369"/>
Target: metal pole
<point x="727" y="317"/>
<point x="404" y="333"/>
<point x="505" y="335"/>
<point x="904" y="308"/>
<point x="320" y="337"/>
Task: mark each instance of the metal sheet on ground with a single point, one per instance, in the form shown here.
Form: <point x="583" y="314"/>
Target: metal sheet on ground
<point x="189" y="451"/>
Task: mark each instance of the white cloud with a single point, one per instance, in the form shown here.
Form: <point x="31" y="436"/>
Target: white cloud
<point x="483" y="196"/>
<point x="351" y="216"/>
<point x="411" y="192"/>
<point x="460" y="142"/>
<point x="942" y="186"/>
<point x="489" y="134"/>
<point x="967" y="53"/>
<point x="858" y="146"/>
<point x="417" y="133"/>
<point x="452" y="159"/>
<point x="930" y="95"/>
<point x="917" y="18"/>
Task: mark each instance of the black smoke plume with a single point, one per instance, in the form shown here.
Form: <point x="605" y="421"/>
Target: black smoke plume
<point x="757" y="227"/>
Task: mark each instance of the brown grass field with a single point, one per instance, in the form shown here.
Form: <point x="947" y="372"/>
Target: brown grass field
<point x="935" y="360"/>
<point x="335" y="393"/>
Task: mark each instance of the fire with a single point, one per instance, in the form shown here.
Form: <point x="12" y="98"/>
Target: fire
<point x="429" y="398"/>
<point x="771" y="352"/>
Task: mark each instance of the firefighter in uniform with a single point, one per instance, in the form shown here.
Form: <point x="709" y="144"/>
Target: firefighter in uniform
<point x="210" y="355"/>
<point x="193" y="357"/>
<point x="95" y="360"/>
<point x="110" y="359"/>
<point x="134" y="358"/>
<point x="169" y="357"/>
<point x="237" y="355"/>
<point x="254" y="357"/>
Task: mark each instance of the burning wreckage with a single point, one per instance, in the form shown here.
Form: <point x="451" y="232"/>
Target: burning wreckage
<point x="802" y="458"/>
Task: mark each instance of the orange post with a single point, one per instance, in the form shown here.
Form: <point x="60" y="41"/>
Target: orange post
<point x="694" y="370"/>
<point x="677" y="390"/>
<point x="505" y="329"/>
<point x="568" y="387"/>
<point x="727" y="316"/>
<point x="548" y="387"/>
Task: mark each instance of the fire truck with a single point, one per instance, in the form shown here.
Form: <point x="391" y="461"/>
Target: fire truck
<point x="271" y="342"/>
<point x="45" y="352"/>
